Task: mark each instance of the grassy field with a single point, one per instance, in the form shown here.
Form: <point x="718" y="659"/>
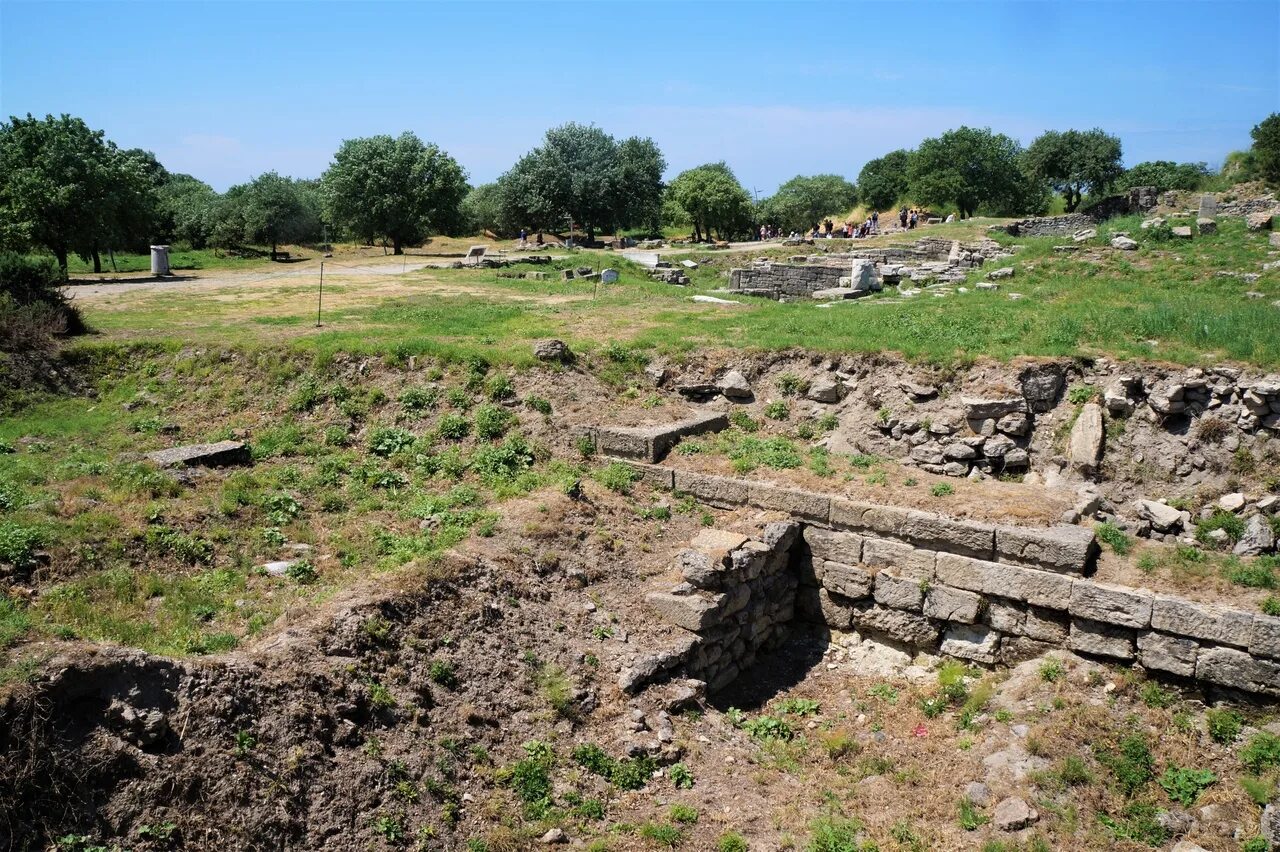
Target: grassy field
<point x="1164" y="302"/>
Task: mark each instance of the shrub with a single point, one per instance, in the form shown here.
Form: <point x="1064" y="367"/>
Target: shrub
<point x="777" y="410"/>
<point x="1081" y="394"/>
<point x="1115" y="537"/>
<point x="1231" y="524"/>
<point x="387" y="442"/>
<point x="302" y="572"/>
<point x="1212" y="430"/>
<point x="538" y="404"/>
<point x="493" y="421"/>
<point x="417" y="400"/>
<point x="1271" y="605"/>
<point x="453" y="427"/>
<point x="970" y="818"/>
<point x="1262" y="753"/>
<point x="741" y="420"/>
<point x="682" y="814"/>
<point x="767" y="727"/>
<point x="942" y="489"/>
<point x="1224" y="725"/>
<point x="681" y="776"/>
<point x="18" y="544"/>
<point x="735" y="842"/>
<point x="499" y="388"/>
<point x="32" y="307"/>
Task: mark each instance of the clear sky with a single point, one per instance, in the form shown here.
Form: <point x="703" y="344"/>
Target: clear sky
<point x="227" y="90"/>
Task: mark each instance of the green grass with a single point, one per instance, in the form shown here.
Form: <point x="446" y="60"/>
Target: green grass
<point x="182" y="259"/>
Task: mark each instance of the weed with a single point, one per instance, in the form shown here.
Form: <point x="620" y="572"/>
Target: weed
<point x="388" y="441"/>
<point x="1138" y="822"/>
<point x="942" y="489"/>
<point x="492" y="421"/>
<point x="834" y="833"/>
<point x="1052" y="671"/>
<point x="1229" y="523"/>
<point x="14" y="621"/>
<point x="970" y="818"/>
<point x="19" y="544"/>
<point x="586" y="446"/>
<point x="1131" y="763"/>
<point x="627" y="774"/>
<point x="1212" y="430"/>
<point x="766" y="727"/>
<point x="681" y="776"/>
<point x="391" y="828"/>
<point x="453" y="427"/>
<point x="1258" y="789"/>
<point x="1255" y="844"/>
<point x="1257" y="574"/>
<point x="1270" y="605"/>
<point x="1074" y="772"/>
<point x="827" y="422"/>
<point x="789" y="384"/>
<point x="662" y="834"/>
<point x="734" y="842"/>
<point x="1184" y="785"/>
<point x="442" y="673"/>
<point x="417" y="400"/>
<point x="682" y="814"/>
<point x="1261" y="753"/>
<point x="838" y="743"/>
<point x="1154" y="695"/>
<point x="1115" y="537"/>
<point x="556" y="689"/>
<point x="245" y="743"/>
<point x="616" y="476"/>
<point x="538" y="404"/>
<point x="530" y="778"/>
<point x="741" y="420"/>
<point x="798" y="707"/>
<point x="380" y="696"/>
<point x="302" y="572"/>
<point x="777" y="410"/>
<point x="499" y="388"/>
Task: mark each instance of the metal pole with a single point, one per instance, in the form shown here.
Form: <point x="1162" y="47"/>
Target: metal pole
<point x="320" y="298"/>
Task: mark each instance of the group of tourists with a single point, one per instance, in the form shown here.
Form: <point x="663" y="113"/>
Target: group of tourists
<point x="908" y="218"/>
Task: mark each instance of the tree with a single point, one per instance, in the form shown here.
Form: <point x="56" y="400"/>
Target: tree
<point x="968" y="167"/>
<point x="187" y="210"/>
<point x="1266" y="148"/>
<point x="1164" y="175"/>
<point x="398" y="189"/>
<point x="55" y="182"/>
<point x="1074" y="162"/>
<point x="639" y="189"/>
<point x="803" y="201"/>
<point x="269" y="210"/>
<point x="482" y="209"/>
<point x="883" y="181"/>
<point x="712" y="200"/>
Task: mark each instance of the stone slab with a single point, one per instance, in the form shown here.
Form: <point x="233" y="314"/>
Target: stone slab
<point x="692" y="612"/>
<point x="1103" y="640"/>
<point x="1171" y="654"/>
<point x="219" y="454"/>
<point x="651" y="443"/>
<point x="880" y="554"/>
<point x="1110" y="604"/>
<point x="803" y="504"/>
<point x="1264" y="639"/>
<point x="1237" y="670"/>
<point x="833" y="545"/>
<point x="847" y="580"/>
<point x="971" y="642"/>
<point x="1182" y="617"/>
<point x="656" y="475"/>
<point x="721" y="491"/>
<point x="1065" y="548"/>
<point x="898" y="592"/>
<point x="935" y="532"/>
<point x="947" y="604"/>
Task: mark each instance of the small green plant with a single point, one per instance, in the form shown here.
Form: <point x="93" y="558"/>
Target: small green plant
<point x="617" y="477"/>
<point x="1255" y="844"/>
<point x="1270" y="605"/>
<point x="493" y="421"/>
<point x="834" y="833"/>
<point x="1261" y="753"/>
<point x="1117" y="539"/>
<point x="387" y="442"/>
<point x="970" y="818"/>
<point x="499" y="388"/>
<point x="586" y="446"/>
<point x="734" y="842"/>
<point x="799" y="707"/>
<point x="681" y="776"/>
<point x="777" y="410"/>
<point x="827" y="422"/>
<point x="766" y="727"/>
<point x="538" y="404"/>
<point x="442" y="672"/>
<point x="942" y="489"/>
<point x="1131" y="762"/>
<point x="682" y="814"/>
<point x="885" y="692"/>
<point x="1229" y="523"/>
<point x="1138" y="822"/>
<point x="789" y="384"/>
<point x="1154" y="695"/>
<point x="391" y="828"/>
<point x="1080" y="394"/>
<point x="453" y="427"/>
<point x="1052" y="670"/>
<point x="741" y="420"/>
<point x="530" y="778"/>
<point x="662" y="834"/>
<point x="245" y="743"/>
<point x="1185" y="785"/>
<point x="1258" y="789"/>
<point x="302" y="572"/>
<point x="417" y="400"/>
<point x="1259" y="573"/>
<point x="163" y="831"/>
<point x="1074" y="772"/>
<point x="380" y="696"/>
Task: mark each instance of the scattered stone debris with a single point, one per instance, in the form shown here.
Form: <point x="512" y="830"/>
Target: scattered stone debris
<point x="1124" y="243"/>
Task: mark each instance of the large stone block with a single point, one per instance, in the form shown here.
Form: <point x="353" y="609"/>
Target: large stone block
<point x="1064" y="548"/>
<point x="1182" y="617"/>
<point x="847" y="514"/>
<point x="935" y="532"/>
<point x="898" y="592"/>
<point x="1029" y="585"/>
<point x="1103" y="640"/>
<point x="1264" y="641"/>
<point x="1171" y="654"/>
<point x="947" y="604"/>
<point x="692" y="612"/>
<point x="837" y="611"/>
<point x="803" y="504"/>
<point x="909" y="561"/>
<point x="221" y="454"/>
<point x="1118" y="605"/>
<point x="847" y="580"/>
<point x="833" y="545"/>
<point x="1084" y="446"/>
<point x="715" y="490"/>
<point x="896" y="624"/>
<point x="1006" y="616"/>
<point x="651" y="443"/>
<point x="971" y="642"/>
<point x="1046" y="625"/>
<point x="1236" y="669"/>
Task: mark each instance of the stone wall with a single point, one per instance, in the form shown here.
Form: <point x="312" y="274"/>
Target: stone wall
<point x="979" y="592"/>
<point x="1046" y="226"/>
<point x="779" y="280"/>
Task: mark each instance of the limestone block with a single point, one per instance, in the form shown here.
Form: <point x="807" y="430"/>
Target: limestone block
<point x="909" y="561"/>
<point x="947" y="604"/>
<point x="202" y="455"/>
<point x="971" y="642"/>
<point x="653" y="474"/>
<point x="1030" y="585"/>
<point x="935" y="532"/>
<point x="898" y="592"/>
<point x="1236" y="669"/>
<point x="902" y="626"/>
<point x="1046" y="625"/>
<point x="1006" y="616"/>
<point x="1065" y="548"/>
<point x="716" y="490"/>
<point x="833" y="545"/>
<point x="1264" y="640"/>
<point x="837" y="612"/>
<point x="1109" y="604"/>
<point x="1084" y="446"/>
<point x="847" y="580"/>
<point x="804" y="504"/>
<point x="692" y="612"/>
<point x="1103" y="640"/>
<point x="848" y="514"/>
<point x="1019" y="649"/>
<point x="1182" y="617"/>
<point x="1171" y="654"/>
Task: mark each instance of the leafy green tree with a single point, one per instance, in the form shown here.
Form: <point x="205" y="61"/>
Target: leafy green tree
<point x="1266" y="148"/>
<point x="1074" y="162"/>
<point x="639" y="192"/>
<point x="804" y="201"/>
<point x="968" y="168"/>
<point x="482" y="209"/>
<point x="269" y="210"/>
<point x="883" y="181"/>
<point x="1164" y="175"/>
<point x="711" y="199"/>
<point x="187" y="210"/>
<point x="398" y="189"/>
<point x="56" y="178"/>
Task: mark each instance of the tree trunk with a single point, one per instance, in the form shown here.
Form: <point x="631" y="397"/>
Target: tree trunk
<point x="97" y="260"/>
<point x="60" y="252"/>
<point x="273" y="249"/>
<point x="396" y="247"/>
<point x="112" y="254"/>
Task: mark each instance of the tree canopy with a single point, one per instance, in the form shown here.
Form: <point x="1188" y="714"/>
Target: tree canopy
<point x="269" y="210"/>
<point x="1164" y="175"/>
<point x="398" y="189"/>
<point x="971" y="168"/>
<point x="883" y="181"/>
<point x="584" y="174"/>
<point x="1074" y="162"/>
<point x="803" y="201"/>
<point x="712" y="200"/>
<point x="1266" y="148"/>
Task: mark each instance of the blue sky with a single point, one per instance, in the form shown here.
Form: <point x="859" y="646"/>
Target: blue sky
<point x="227" y="90"/>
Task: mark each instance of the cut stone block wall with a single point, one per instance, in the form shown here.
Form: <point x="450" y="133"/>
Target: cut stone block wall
<point x="787" y="280"/>
<point x="964" y="589"/>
